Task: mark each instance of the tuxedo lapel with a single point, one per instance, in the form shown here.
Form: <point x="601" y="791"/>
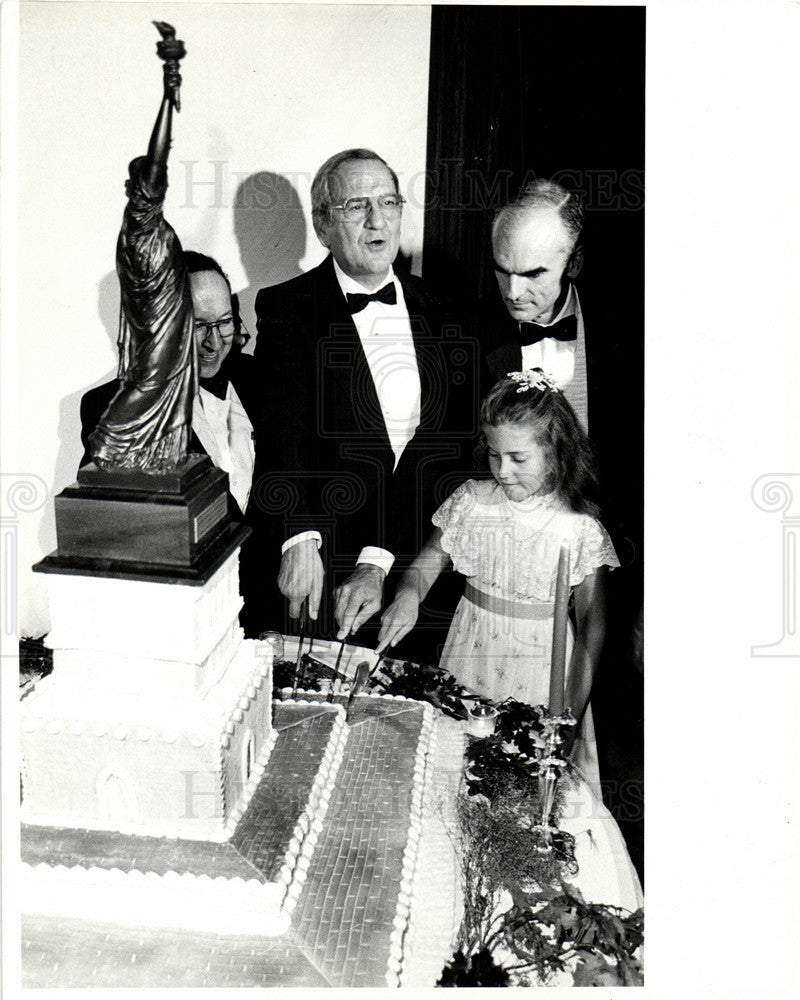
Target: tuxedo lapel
<point x="420" y="320"/>
<point x="351" y="401"/>
<point x="504" y="359"/>
<point x="592" y="363"/>
<point x="499" y="335"/>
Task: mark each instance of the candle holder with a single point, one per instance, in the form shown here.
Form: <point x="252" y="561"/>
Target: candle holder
<point x="481" y="720"/>
<point x="550" y="766"/>
<point x="275" y="639"/>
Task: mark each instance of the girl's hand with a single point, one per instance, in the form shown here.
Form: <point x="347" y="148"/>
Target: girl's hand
<point x="398" y="619"/>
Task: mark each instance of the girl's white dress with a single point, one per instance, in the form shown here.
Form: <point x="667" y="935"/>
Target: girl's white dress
<point x="501" y="637"/>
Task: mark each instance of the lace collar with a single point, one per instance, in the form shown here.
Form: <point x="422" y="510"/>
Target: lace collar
<point x="545" y="501"/>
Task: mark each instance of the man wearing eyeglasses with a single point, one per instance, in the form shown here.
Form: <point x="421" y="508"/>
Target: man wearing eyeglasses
<point x="221" y="425"/>
<point x="364" y="409"/>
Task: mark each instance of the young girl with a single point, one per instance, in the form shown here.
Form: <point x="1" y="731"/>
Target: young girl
<point x="505" y="535"/>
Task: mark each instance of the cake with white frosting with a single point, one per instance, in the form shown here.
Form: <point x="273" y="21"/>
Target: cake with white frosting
<point x="171" y="809"/>
<point x="247" y="884"/>
<point x="162" y="787"/>
<point x="156" y="719"/>
<point x="346" y="872"/>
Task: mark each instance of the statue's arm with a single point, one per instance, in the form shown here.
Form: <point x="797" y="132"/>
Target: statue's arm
<point x="171" y="50"/>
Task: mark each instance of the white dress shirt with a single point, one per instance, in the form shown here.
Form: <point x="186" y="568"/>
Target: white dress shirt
<point x="564" y="361"/>
<point x="385" y="334"/>
<point x="225" y="431"/>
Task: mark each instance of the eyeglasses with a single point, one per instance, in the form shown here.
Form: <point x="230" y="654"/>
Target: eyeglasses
<point x="357" y="209"/>
<point x="224" y="327"/>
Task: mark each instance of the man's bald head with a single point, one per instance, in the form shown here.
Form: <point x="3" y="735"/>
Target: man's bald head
<point x="535" y="241"/>
<point x="540" y="199"/>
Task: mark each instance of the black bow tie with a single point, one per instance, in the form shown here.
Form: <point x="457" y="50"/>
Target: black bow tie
<point x="217" y="384"/>
<point x="356" y="301"/>
<point x="564" y="329"/>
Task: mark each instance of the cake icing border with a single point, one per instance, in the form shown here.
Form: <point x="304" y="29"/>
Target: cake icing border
<point x="438" y="895"/>
<point x="297" y="859"/>
<point x="228" y="903"/>
<point x="257" y="773"/>
<point x="396" y="972"/>
<point x="318" y="697"/>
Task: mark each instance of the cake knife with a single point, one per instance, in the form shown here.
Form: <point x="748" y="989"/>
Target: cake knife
<point x="376" y="664"/>
<point x="336" y="671"/>
<point x="301" y="637"/>
<point x="359" y="684"/>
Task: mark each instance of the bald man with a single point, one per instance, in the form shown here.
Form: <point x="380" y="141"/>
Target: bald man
<point x="537" y="254"/>
<point x="537" y="321"/>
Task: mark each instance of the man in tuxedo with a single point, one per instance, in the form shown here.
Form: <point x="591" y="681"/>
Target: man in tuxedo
<point x="221" y="425"/>
<point x="222" y="408"/>
<point x="537" y="256"/>
<point x="369" y="402"/>
<point x="537" y="321"/>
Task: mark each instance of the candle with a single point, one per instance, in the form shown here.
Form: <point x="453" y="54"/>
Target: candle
<point x="481" y="720"/>
<point x="558" y="659"/>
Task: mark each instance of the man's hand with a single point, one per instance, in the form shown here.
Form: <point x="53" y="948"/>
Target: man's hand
<point x="358" y="598"/>
<point x="301" y="576"/>
<point x="398" y="619"/>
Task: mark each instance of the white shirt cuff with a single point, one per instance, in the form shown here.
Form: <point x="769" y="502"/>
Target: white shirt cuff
<point x="376" y="557"/>
<point x="302" y="537"/>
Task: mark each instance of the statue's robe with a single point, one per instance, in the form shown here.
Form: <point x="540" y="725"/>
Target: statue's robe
<point x="147" y="423"/>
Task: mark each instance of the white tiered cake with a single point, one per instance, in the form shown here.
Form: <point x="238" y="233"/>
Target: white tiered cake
<point x="156" y="719"/>
<point x="163" y="788"/>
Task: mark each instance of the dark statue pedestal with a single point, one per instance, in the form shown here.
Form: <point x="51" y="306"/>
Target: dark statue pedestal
<point x="166" y="527"/>
<point x="174" y="482"/>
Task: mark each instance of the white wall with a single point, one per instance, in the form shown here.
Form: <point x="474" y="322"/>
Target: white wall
<point x="268" y="89"/>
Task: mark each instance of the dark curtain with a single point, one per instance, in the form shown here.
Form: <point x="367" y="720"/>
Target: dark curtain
<point x="555" y="92"/>
<point x="524" y="92"/>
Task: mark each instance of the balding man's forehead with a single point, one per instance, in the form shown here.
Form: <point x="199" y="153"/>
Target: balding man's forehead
<point x="517" y="217"/>
<point x="366" y="173"/>
<point x="533" y="225"/>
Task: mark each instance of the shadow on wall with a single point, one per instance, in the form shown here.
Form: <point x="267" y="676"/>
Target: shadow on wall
<point x="70" y="449"/>
<point x="270" y="228"/>
<point x="108" y="306"/>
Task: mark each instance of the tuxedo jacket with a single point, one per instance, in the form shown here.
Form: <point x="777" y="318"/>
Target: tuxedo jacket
<point x="323" y="457"/>
<point x="503" y="351"/>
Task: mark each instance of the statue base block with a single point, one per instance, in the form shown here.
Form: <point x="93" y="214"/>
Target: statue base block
<point x="174" y="481"/>
<point x="196" y="575"/>
<point x="166" y="519"/>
